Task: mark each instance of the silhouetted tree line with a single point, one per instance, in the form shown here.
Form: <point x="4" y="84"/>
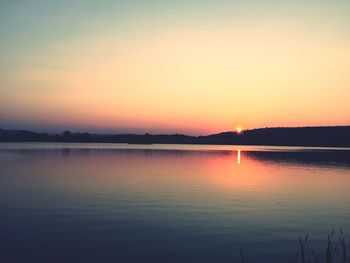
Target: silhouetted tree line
<point x="336" y="136"/>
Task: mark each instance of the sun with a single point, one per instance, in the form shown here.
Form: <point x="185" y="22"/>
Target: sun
<point x="239" y="128"/>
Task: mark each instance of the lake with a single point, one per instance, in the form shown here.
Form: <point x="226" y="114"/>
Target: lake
<point x="168" y="203"/>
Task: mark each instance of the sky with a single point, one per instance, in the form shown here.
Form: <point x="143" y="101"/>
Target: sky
<point x="162" y="66"/>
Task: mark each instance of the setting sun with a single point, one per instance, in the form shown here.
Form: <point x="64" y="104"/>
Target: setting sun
<point x="239" y="129"/>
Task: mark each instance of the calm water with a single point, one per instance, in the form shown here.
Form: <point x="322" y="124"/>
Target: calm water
<point x="144" y="203"/>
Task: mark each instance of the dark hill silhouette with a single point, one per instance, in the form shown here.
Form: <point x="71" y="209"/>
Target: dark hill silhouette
<point x="331" y="136"/>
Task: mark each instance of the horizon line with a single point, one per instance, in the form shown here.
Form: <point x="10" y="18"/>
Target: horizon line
<point x="176" y="133"/>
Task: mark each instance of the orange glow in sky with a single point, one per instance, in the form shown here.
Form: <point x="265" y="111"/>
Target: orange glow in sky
<point x="160" y="69"/>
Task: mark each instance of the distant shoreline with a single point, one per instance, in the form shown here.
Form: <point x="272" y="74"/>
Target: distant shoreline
<point x="327" y="136"/>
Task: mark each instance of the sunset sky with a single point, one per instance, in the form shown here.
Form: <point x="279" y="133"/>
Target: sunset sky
<point x="158" y="66"/>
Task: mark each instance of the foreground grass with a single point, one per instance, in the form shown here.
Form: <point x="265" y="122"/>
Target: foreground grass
<point x="336" y="250"/>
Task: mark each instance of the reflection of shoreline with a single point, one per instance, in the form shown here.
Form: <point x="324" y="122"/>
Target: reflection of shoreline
<point x="82" y="152"/>
<point x="330" y="158"/>
<point x="312" y="158"/>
